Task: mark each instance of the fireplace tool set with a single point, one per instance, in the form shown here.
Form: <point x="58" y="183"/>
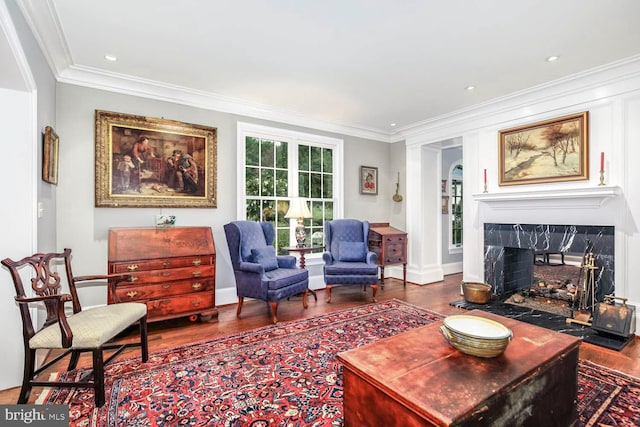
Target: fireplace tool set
<point x="607" y="318"/>
<point x="586" y="295"/>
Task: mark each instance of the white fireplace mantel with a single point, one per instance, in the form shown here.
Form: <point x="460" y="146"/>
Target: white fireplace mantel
<point x="574" y="198"/>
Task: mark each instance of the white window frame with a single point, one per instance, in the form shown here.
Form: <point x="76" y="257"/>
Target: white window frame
<point x="293" y="138"/>
<point x="453" y="249"/>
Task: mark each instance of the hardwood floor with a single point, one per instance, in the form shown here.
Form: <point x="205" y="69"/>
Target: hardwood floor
<point x="435" y="296"/>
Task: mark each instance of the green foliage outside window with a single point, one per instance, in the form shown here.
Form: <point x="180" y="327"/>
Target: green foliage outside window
<point x="456" y="207"/>
<point x="267" y="175"/>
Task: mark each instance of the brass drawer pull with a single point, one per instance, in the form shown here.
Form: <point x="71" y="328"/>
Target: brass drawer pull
<point x="166" y="286"/>
<point x="196" y="262"/>
<point x="196" y="286"/>
<point x="132" y="267"/>
<point x="196" y="274"/>
<point x="132" y="294"/>
<point x="133" y="279"/>
<point x="195" y="303"/>
<point x="165" y="302"/>
<point x="166" y="273"/>
<point x="166" y="264"/>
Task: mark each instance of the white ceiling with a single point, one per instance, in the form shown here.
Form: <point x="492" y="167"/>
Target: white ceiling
<point x="361" y="64"/>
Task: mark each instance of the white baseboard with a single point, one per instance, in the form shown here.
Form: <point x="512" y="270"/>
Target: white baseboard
<point x="452" y="268"/>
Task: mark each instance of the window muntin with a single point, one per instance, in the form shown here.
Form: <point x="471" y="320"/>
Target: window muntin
<point x="278" y="165"/>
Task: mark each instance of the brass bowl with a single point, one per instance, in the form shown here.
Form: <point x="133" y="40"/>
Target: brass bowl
<point x="475" y="335"/>
<point x="477" y="293"/>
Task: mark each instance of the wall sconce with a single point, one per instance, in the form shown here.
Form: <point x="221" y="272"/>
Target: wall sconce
<point x="397" y="197"/>
<point x="298" y="209"/>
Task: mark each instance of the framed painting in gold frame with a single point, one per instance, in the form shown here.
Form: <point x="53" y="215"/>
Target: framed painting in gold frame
<point x="154" y="162"/>
<point x="553" y="150"/>
<point x="50" y="148"/>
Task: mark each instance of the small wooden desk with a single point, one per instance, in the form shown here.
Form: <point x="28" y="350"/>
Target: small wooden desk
<point x="418" y="379"/>
<point x="390" y="244"/>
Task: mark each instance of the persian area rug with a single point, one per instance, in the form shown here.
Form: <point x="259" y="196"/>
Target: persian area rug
<point x="279" y="375"/>
<point x="287" y="375"/>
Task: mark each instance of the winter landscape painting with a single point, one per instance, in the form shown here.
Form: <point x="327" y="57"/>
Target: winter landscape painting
<point x="549" y="151"/>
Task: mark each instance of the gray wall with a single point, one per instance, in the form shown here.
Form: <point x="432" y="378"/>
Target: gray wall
<point x="83" y="227"/>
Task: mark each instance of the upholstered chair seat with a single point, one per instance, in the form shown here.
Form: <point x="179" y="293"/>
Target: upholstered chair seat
<point x="91" y="328"/>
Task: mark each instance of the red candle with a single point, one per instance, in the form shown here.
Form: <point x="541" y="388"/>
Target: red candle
<point x="485" y="176"/>
<point x="602" y="161"/>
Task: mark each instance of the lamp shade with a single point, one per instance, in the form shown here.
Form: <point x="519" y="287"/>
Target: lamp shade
<point x="298" y="209"/>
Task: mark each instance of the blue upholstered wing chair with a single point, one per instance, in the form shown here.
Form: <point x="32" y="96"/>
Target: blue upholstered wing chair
<point x="258" y="271"/>
<point x="348" y="260"/>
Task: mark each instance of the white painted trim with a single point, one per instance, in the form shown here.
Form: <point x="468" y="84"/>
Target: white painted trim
<point x="573" y="198"/>
<point x="48" y="32"/>
<point x="452" y="268"/>
<point x="9" y="30"/>
<point x="456" y="249"/>
<point x="427" y="274"/>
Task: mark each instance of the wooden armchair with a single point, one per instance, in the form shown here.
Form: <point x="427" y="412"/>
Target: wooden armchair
<point x="83" y="331"/>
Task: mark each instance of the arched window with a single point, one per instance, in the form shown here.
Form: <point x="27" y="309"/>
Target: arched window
<point x="455" y="224"/>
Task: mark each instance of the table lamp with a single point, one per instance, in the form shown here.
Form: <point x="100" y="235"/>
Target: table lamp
<point x="298" y="209"/>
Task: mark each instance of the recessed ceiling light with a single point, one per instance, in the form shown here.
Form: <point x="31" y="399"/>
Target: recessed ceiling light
<point x="552" y="58"/>
<point x="110" y="58"/>
<point x="392" y="125"/>
<point x="470" y="87"/>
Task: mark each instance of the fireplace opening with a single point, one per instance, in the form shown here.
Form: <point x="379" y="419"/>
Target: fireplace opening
<point x="553" y="285"/>
<point x="543" y="266"/>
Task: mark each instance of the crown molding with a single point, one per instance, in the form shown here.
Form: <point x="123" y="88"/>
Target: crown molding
<point x="523" y="100"/>
<point x="129" y="85"/>
<point x="43" y="20"/>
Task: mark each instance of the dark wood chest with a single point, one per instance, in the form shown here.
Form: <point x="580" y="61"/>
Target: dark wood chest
<point x="416" y="378"/>
<point x="172" y="270"/>
<point x="390" y="244"/>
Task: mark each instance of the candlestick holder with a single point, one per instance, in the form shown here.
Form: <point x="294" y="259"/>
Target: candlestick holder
<point x="601" y="178"/>
<point x="485" y="188"/>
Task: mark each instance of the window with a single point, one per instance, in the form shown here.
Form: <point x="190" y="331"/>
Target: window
<point x="278" y="164"/>
<point x="456" y="206"/>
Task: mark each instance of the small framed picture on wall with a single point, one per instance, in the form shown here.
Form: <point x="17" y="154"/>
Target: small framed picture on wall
<point x="368" y="180"/>
<point x="445" y="205"/>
